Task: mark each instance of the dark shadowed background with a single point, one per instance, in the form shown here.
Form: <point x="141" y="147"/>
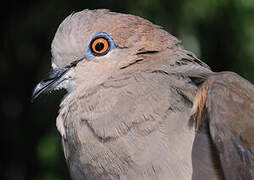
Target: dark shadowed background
<point x="220" y="32"/>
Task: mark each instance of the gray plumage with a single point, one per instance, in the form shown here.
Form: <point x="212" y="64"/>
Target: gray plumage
<point x="129" y="113"/>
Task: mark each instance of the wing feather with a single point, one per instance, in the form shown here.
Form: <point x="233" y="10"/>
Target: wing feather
<point x="226" y="102"/>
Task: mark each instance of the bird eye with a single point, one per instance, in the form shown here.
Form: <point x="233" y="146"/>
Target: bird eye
<point x="100" y="46"/>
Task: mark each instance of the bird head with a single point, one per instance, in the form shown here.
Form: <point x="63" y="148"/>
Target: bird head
<point x="93" y="45"/>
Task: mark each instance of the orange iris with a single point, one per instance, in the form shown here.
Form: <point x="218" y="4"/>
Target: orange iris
<point x="100" y="46"/>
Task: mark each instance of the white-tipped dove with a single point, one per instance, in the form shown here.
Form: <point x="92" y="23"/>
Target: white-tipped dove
<point x="139" y="106"/>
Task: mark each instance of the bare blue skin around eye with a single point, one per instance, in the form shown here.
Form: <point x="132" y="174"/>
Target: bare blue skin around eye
<point x="112" y="44"/>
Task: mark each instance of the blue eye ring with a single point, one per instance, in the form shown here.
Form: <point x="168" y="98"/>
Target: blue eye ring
<point x="104" y="45"/>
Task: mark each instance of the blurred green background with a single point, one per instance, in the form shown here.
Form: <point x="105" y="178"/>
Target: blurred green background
<point x="220" y="32"/>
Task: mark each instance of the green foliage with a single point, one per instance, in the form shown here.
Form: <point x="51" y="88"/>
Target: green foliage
<point x="50" y="156"/>
<point x="223" y="29"/>
<point x="48" y="150"/>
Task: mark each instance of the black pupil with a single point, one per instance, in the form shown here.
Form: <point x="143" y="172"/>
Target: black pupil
<point x="99" y="46"/>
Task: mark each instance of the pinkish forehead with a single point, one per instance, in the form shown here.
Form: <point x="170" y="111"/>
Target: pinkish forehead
<point x="76" y="31"/>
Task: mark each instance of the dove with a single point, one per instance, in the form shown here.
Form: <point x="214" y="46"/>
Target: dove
<point x="140" y="106"/>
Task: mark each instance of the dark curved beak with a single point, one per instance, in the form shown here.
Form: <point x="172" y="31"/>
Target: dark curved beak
<point x="54" y="78"/>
